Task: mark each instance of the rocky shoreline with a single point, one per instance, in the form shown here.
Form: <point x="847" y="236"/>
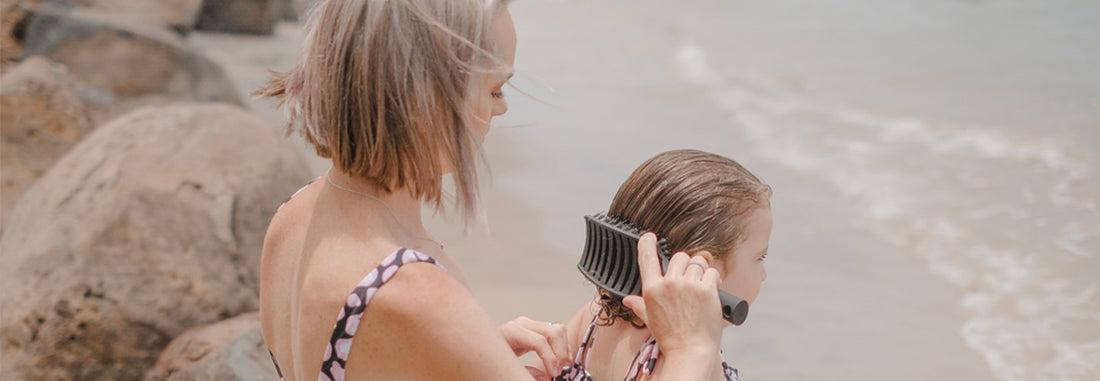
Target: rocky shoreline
<point x="136" y="190"/>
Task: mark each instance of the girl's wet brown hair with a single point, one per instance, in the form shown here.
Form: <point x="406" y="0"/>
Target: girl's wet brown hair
<point x="694" y="200"/>
<point x="380" y="87"/>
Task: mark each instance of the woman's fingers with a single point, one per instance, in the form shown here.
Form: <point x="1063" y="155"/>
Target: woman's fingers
<point x="538" y="374"/>
<point x="711" y="277"/>
<point x="524" y="340"/>
<point x="637" y="304"/>
<point x="677" y="264"/>
<point x="548" y="341"/>
<point x="558" y="338"/>
<point x="696" y="267"/>
<point x="648" y="262"/>
<point x="680" y="307"/>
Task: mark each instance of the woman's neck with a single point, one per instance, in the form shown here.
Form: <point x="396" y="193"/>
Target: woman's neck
<point x="399" y="203"/>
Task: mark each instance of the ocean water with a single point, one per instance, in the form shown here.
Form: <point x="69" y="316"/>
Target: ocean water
<point x="966" y="132"/>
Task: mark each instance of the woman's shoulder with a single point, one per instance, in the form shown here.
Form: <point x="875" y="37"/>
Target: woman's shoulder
<point x="424" y="324"/>
<point x="406" y="287"/>
<point x="289" y="217"/>
<point x="415" y="286"/>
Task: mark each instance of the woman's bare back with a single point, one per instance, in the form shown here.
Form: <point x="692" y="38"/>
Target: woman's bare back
<point x="320" y="245"/>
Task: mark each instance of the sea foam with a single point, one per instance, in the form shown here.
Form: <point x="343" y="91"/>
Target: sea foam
<point x="973" y="194"/>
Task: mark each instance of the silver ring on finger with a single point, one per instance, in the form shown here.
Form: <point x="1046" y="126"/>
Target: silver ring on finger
<point x="702" y="268"/>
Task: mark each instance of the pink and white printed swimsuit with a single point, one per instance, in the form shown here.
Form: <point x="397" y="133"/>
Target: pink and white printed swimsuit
<point x="347" y="323"/>
<point x="643" y="364"/>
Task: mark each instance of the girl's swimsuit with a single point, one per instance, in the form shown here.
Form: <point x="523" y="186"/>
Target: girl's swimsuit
<point x="643" y="362"/>
<point x="347" y="324"/>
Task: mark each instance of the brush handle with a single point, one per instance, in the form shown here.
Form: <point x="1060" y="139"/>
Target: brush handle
<point x="734" y="309"/>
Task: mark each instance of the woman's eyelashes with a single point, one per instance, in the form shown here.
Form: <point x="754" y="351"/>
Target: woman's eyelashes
<point x="498" y="92"/>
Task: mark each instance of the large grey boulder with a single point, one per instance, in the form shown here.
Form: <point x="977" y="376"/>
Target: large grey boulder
<point x="240" y="16"/>
<point x="152" y="224"/>
<point x="41" y="118"/>
<point x="287" y="11"/>
<point x="230" y="350"/>
<point x="176" y="14"/>
<point x="124" y="59"/>
<point x="295" y="10"/>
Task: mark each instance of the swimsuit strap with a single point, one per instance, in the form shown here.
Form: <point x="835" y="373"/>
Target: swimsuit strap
<point x="582" y="353"/>
<point x="646" y="360"/>
<point x="277" y="370"/>
<point x="578" y="371"/>
<point x="347" y="324"/>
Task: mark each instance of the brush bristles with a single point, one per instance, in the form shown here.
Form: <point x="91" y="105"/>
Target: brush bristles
<point x="610" y="258"/>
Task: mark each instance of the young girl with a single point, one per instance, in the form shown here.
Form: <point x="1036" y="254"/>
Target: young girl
<point x="703" y="204"/>
<point x="398" y="93"/>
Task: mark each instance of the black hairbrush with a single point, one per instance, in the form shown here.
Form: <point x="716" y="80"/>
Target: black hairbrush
<point x="610" y="260"/>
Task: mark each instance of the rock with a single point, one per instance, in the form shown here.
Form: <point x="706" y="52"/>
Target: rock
<point x="177" y="14"/>
<point x="122" y="58"/>
<point x="231" y="350"/>
<point x="240" y="16"/>
<point x="287" y="11"/>
<point x="12" y="25"/>
<point x="152" y="224"/>
<point x="295" y="10"/>
<point x="41" y="117"/>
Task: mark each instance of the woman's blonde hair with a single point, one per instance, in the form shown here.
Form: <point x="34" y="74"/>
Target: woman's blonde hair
<point x="380" y="87"/>
<point x="692" y="199"/>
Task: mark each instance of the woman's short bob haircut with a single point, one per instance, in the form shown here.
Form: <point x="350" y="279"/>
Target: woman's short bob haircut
<point x="692" y="199"/>
<point x="380" y="87"/>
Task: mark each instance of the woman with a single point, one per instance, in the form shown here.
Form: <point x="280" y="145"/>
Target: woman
<point x="398" y="93"/>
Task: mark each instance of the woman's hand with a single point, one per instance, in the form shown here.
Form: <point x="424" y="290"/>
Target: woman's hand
<point x="549" y="341"/>
<point x="681" y="307"/>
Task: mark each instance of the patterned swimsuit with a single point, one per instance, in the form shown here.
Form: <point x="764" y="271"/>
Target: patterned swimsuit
<point x="336" y="352"/>
<point x="643" y="362"/>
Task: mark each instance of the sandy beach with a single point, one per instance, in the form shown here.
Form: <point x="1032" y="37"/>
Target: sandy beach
<point x="852" y="293"/>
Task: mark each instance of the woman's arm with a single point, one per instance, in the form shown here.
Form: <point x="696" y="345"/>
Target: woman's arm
<point x="689" y="366"/>
<point x="549" y="341"/>
<point x="682" y="311"/>
<point x="424" y="325"/>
